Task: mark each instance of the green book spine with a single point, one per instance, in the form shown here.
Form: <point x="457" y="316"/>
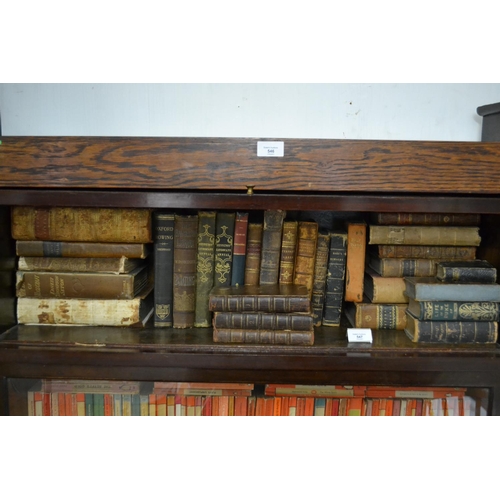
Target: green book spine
<point x="224" y="244"/>
<point x="89" y="405"/>
<point x="136" y="405"/>
<point x="455" y="311"/>
<point x="98" y="405"/>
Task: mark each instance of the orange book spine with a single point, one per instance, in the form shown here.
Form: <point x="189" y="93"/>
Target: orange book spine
<point x="376" y="407"/>
<point x="215" y="405"/>
<point x="269" y="407"/>
<point x="152" y="405"/>
<point x="198" y="406"/>
<point x="354" y="407"/>
<point x="240" y="406"/>
<point x="260" y="407"/>
<point x="170" y="402"/>
<point x="309" y="407"/>
<point x="329" y="407"/>
<point x="80" y="404"/>
<point x="161" y="405"/>
<point x="252" y="401"/>
<point x="207" y="406"/>
<point x="277" y="407"/>
<point x="62" y="404"/>
<point x="335" y="407"/>
<point x="224" y="406"/>
<point x="284" y="407"/>
<point x="301" y="407"/>
<point x="389" y="406"/>
<point x="292" y="406"/>
<point x="190" y="406"/>
<point x="355" y="261"/>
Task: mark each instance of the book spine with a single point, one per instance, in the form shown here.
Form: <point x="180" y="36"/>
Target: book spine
<point x="74" y="264"/>
<point x="403" y="267"/>
<point x="184" y="284"/>
<point x="163" y="268"/>
<point x="307" y="239"/>
<point x="271" y="246"/>
<point x="224" y="244"/>
<point x="205" y="267"/>
<point x="117" y="225"/>
<point x="229" y="335"/>
<point x="380" y="316"/>
<point x="459" y="292"/>
<point x="427" y="252"/>
<point x="334" y="286"/>
<point x="457" y="311"/>
<point x="240" y="249"/>
<point x="288" y="249"/>
<point x="449" y="273"/>
<point x="92" y="387"/>
<point x="429" y="219"/>
<point x="80" y="249"/>
<point x="254" y="250"/>
<point x="281" y="304"/>
<point x="319" y="280"/>
<point x="264" y="321"/>
<point x="355" y="262"/>
<point x="384" y="290"/>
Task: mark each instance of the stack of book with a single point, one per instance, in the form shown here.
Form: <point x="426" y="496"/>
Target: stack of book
<point x="458" y="305"/>
<point x="264" y="314"/>
<point x="83" y="266"/>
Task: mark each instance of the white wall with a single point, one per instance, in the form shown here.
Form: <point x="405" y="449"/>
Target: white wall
<point x="351" y="111"/>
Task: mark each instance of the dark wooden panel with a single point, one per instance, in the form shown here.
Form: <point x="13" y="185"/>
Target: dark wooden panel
<point x="232" y="164"/>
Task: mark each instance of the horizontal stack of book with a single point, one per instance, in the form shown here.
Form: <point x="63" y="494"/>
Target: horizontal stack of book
<point x="459" y="305"/>
<point x="83" y="266"/>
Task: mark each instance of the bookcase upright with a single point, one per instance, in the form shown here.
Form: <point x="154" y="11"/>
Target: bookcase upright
<point x="226" y="174"/>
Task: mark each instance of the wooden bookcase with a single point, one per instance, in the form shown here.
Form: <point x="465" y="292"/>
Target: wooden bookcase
<point x="227" y="174"/>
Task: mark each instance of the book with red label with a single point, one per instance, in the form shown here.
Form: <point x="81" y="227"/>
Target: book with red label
<point x="332" y="391"/>
<point x="239" y="248"/>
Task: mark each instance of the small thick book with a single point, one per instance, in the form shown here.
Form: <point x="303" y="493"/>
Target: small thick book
<point x="451" y="332"/>
<point x="263" y="298"/>
<point x="397" y="267"/>
<point x="251" y="336"/>
<point x="377" y="316"/>
<point x="474" y="271"/>
<point x="263" y="321"/>
<point x="118" y="265"/>
<point x="445" y="310"/>
<point x="383" y="289"/>
<point x="434" y="289"/>
<point x="426" y="252"/>
<point x="424" y="219"/>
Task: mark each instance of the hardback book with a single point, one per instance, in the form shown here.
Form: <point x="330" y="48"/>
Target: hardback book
<point x="116" y="225"/>
<point x="473" y="271"/>
<point x="394" y="267"/>
<point x="184" y="274"/>
<point x="263" y="298"/>
<point x="254" y="250"/>
<point x="319" y="277"/>
<point x="82" y="249"/>
<point x="163" y="234"/>
<point x="305" y="257"/>
<point x="224" y="244"/>
<point x="451" y="332"/>
<point x="92" y="386"/>
<point x="271" y="246"/>
<point x="203" y="388"/>
<point x="118" y="265"/>
<point x="91" y="312"/>
<point x="263" y="320"/>
<point x="377" y="316"/>
<point x="288" y="249"/>
<point x="426" y="252"/>
<point x="325" y="391"/>
<point x="445" y="310"/>
<point x="240" y="248"/>
<point x="335" y="278"/>
<point x="81" y="285"/>
<point x="424" y="219"/>
<point x="433" y="289"/>
<point x="424" y="235"/>
<point x="384" y="290"/>
<point x="355" y="261"/>
<point x="259" y="336"/>
<point x="205" y="267"/>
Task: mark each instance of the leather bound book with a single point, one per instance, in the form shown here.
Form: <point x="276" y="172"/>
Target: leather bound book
<point x="355" y="261"/>
<point x="205" y="267"/>
<point x="271" y="246"/>
<point x="446" y="310"/>
<point x="288" y="249"/>
<point x="254" y="249"/>
<point x="163" y="248"/>
<point x="402" y="267"/>
<point x="377" y="316"/>
<point x="118" y="265"/>
<point x="474" y="271"/>
<point x="307" y="239"/>
<point x="384" y="290"/>
<point x="224" y="244"/>
<point x="428" y="219"/>
<point x="319" y="281"/>
<point x="184" y="286"/>
<point x="427" y="252"/>
<point x="279" y="337"/>
<point x="263" y="321"/>
<point x="240" y="249"/>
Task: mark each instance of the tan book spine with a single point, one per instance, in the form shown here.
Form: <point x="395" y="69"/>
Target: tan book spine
<point x="376" y="316"/>
<point x="403" y="267"/>
<point x="254" y="248"/>
<point x="355" y="261"/>
<point x="427" y="252"/>
<point x="288" y="249"/>
<point x="384" y="290"/>
<point x="307" y="239"/>
<point x="81" y="249"/>
<point x="118" y="265"/>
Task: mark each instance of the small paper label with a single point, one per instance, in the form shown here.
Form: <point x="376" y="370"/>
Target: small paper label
<point x="359" y="335"/>
<point x="270" y="148"/>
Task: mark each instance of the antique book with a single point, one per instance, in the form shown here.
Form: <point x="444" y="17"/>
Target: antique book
<point x="254" y="248"/>
<point x="319" y="277"/>
<point x="184" y="273"/>
<point x="394" y="267"/>
<point x="433" y="289"/>
<point x="335" y="278"/>
<point x="455" y="332"/>
<point x="445" y="310"/>
<point x="116" y="225"/>
<point x="271" y="246"/>
<point x="251" y="336"/>
<point x="205" y="267"/>
<point x="426" y="252"/>
<point x="355" y="261"/>
<point x="288" y="249"/>
<point x="81" y="285"/>
<point x="224" y="244"/>
<point x="263" y="320"/>
<point x="384" y="290"/>
<point x="240" y="248"/>
<point x="325" y="391"/>
<point x="118" y="265"/>
<point x="305" y="257"/>
<point x="424" y="219"/>
<point x="93" y="312"/>
<point x="377" y="316"/>
<point x="424" y="235"/>
<point x="473" y="271"/>
<point x="163" y="250"/>
<point x="263" y="298"/>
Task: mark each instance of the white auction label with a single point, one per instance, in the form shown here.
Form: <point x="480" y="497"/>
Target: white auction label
<point x="270" y="148"/>
<point x="359" y="335"/>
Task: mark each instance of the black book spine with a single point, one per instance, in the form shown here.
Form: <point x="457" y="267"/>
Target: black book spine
<point x="224" y="245"/>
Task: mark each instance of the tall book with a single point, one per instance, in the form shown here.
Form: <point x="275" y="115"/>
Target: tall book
<point x="163" y="248"/>
<point x="254" y="250"/>
<point x="288" y="249"/>
<point x="224" y="244"/>
<point x="424" y="219"/>
<point x="240" y="248"/>
<point x="474" y="271"/>
<point x="305" y="257"/>
<point x="377" y="316"/>
<point x="355" y="261"/>
<point x="205" y="267"/>
<point x="184" y="284"/>
<point x="445" y="310"/>
<point x="383" y="289"/>
<point x="271" y="246"/>
<point x="426" y="252"/>
<point x="115" y="225"/>
<point x="319" y="280"/>
<point x="335" y="278"/>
